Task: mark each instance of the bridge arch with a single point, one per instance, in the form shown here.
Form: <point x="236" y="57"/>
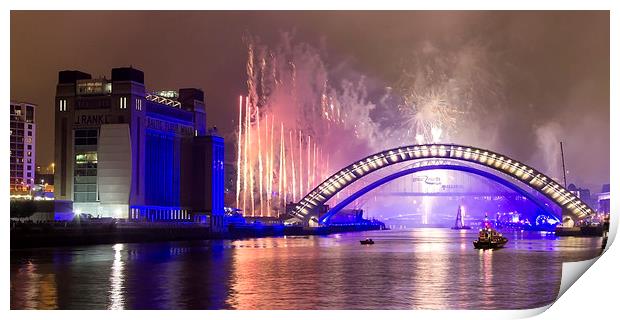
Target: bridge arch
<point x="569" y="203"/>
<point x="442" y="166"/>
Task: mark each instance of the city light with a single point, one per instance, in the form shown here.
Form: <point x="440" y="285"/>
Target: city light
<point x="409" y="160"/>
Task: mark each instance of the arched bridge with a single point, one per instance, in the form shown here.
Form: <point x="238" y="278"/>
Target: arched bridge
<point x="309" y="206"/>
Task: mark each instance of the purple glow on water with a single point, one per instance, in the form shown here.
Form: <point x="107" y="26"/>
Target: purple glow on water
<point x="426" y="268"/>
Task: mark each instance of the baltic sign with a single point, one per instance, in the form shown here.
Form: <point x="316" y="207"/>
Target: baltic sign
<point x="94" y="119"/>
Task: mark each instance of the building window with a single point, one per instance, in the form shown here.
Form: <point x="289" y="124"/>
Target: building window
<point x="139" y="104"/>
<point x="29" y="153"/>
<point x="29" y="167"/>
<point x="29" y="126"/>
<point x="29" y="140"/>
<point x="29" y="133"/>
<point x="123" y="102"/>
<point x="62" y="105"/>
<point x="85" y="177"/>
<point x="29" y="113"/>
<point x="29" y="147"/>
<point x="86" y="137"/>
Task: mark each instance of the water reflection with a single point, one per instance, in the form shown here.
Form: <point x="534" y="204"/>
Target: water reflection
<point x="486" y="277"/>
<point x="32" y="289"/>
<point x="116" y="279"/>
<point x="422" y="268"/>
<point x="432" y="271"/>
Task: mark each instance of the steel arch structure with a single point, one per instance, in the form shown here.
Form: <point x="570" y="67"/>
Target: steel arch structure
<point x="569" y="203"/>
<point x="436" y="166"/>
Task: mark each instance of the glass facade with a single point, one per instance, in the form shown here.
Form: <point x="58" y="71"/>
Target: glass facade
<point x="85" y="186"/>
<point x="85" y="169"/>
<point x="86" y="137"/>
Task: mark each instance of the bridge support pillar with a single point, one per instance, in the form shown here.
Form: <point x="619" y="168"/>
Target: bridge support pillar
<point x="568" y="214"/>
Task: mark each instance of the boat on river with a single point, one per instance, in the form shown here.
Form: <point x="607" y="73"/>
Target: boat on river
<point x="489" y="238"/>
<point x="367" y="241"/>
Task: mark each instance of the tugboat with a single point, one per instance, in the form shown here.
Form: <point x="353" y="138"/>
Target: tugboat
<point x="367" y="241"/>
<point x="489" y="239"/>
<point x="458" y="223"/>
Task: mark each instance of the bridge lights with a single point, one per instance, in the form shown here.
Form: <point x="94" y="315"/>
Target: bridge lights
<point x="513" y="167"/>
<point x="467" y="154"/>
<point x="393" y="156"/>
<point x="506" y="165"/>
<point x="476" y="155"/>
<point x="491" y="160"/>
<point x="484" y="157"/>
<point x="416" y="152"/>
<point x="337" y="184"/>
<point x="442" y="151"/>
<point x="459" y="152"/>
<point x="402" y="154"/>
<point x="433" y="151"/>
<point x="499" y="162"/>
<point x="410" y="152"/>
<point x="379" y="161"/>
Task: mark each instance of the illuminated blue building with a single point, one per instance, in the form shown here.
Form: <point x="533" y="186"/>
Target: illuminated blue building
<point x="123" y="152"/>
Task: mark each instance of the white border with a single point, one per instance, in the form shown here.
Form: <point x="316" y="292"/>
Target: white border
<point x="597" y="287"/>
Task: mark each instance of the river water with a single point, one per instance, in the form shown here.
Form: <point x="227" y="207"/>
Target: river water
<point x="404" y="269"/>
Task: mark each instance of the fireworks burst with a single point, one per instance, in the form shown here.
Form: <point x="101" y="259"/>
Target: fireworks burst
<point x="323" y="127"/>
<point x="428" y="116"/>
<point x="442" y="92"/>
<point x="288" y="90"/>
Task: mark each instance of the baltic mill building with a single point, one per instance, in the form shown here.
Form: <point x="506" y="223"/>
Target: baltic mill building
<point x="124" y="152"/>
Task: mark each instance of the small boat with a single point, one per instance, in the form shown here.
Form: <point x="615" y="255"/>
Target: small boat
<point x="489" y="239"/>
<point x="461" y="228"/>
<point x="367" y="241"/>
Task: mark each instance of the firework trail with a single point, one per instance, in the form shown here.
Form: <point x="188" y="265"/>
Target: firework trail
<point x="239" y="151"/>
<point x="335" y="122"/>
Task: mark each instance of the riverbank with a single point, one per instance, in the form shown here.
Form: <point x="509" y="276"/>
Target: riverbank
<point x="584" y="231"/>
<point x="56" y="234"/>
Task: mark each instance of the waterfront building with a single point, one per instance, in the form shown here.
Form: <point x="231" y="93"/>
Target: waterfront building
<point x="122" y="151"/>
<point x="582" y="193"/>
<point x="22" y="149"/>
<point x="604" y="200"/>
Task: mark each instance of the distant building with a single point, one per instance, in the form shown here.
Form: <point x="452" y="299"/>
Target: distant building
<point x="124" y="152"/>
<point x="604" y="200"/>
<point x="581" y="193"/>
<point x="22" y="149"/>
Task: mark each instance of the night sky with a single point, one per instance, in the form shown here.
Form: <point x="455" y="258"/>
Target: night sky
<point x="554" y="66"/>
